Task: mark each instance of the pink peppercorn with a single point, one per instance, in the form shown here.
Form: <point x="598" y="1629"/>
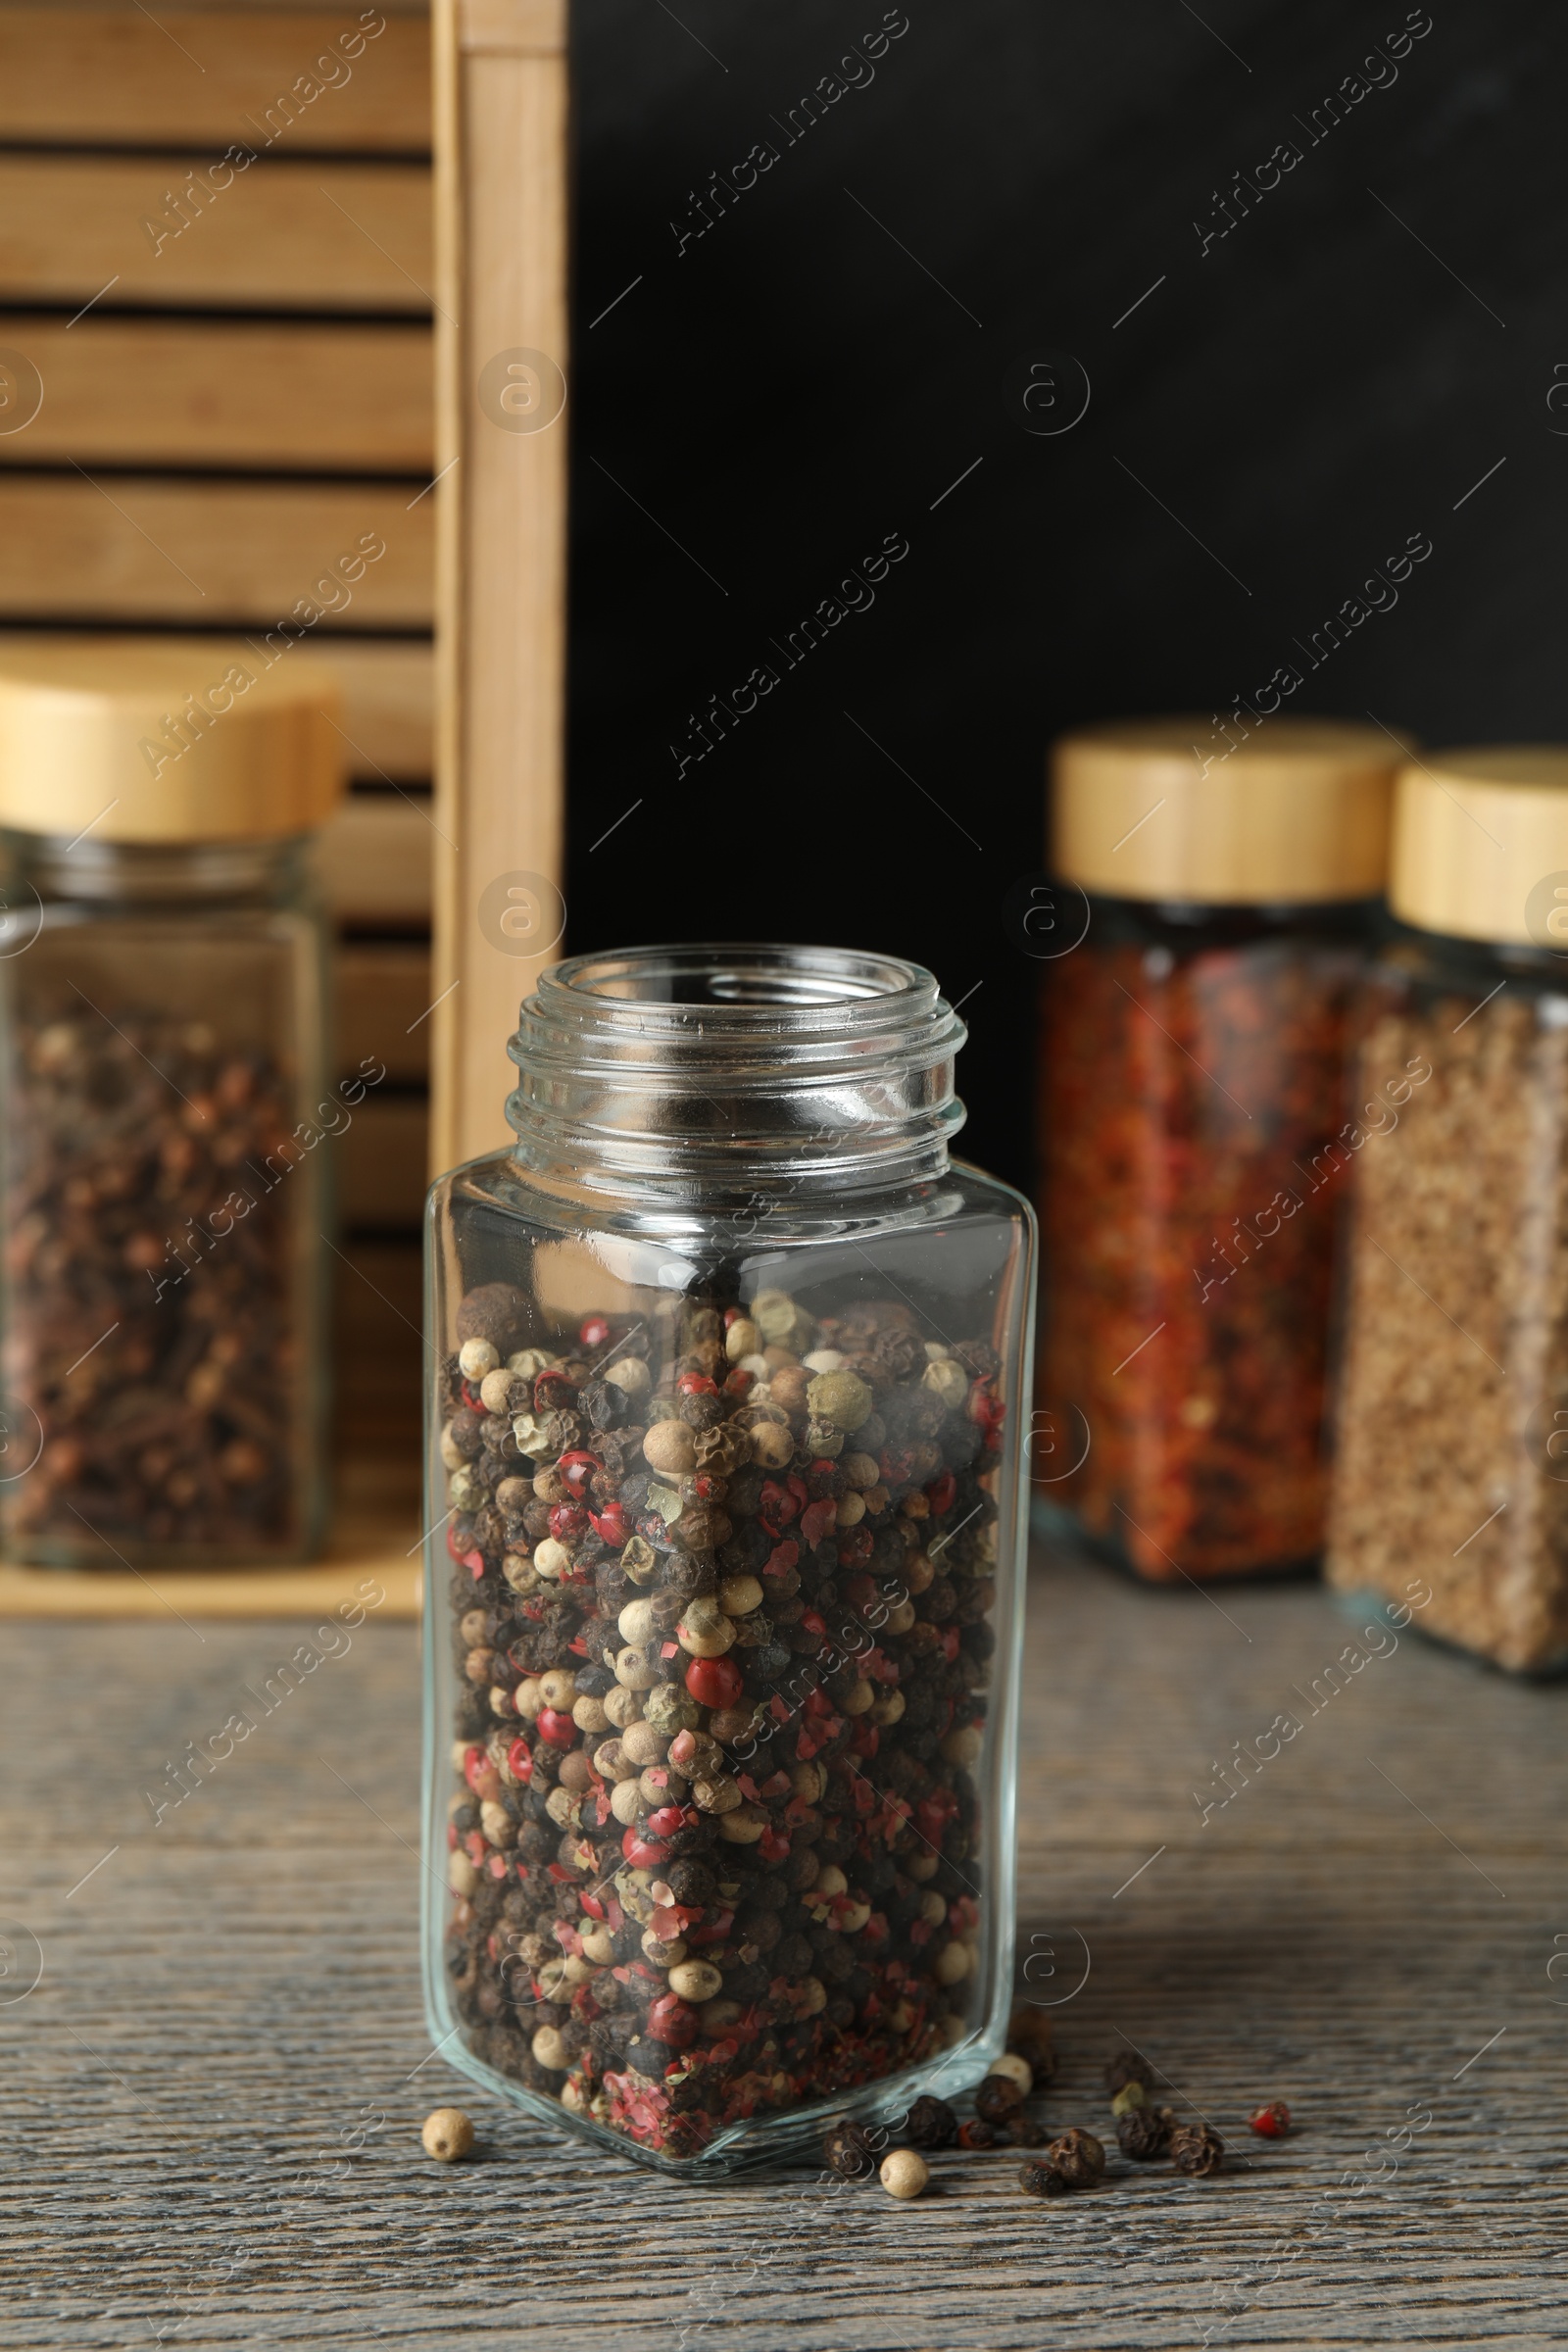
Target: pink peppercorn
<point x="714" y="1681"/>
<point x="1271" y="2121"/>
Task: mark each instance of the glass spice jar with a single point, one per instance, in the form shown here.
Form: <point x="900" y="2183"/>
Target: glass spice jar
<point x="1191" y="1079"/>
<point x="162" y="986"/>
<point x="725" y="1559"/>
<point x="1451" y="1472"/>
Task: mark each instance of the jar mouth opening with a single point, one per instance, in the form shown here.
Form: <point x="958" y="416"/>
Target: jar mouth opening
<point x="753" y="1061"/>
<point x="746" y="985"/>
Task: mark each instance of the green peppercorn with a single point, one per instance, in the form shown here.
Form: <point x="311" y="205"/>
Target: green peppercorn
<point x="840" y="1398"/>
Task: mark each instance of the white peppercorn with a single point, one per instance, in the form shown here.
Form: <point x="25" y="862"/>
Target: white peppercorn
<point x="448" y="2133"/>
<point x="904" y="2173"/>
<point x="696" y="1980"/>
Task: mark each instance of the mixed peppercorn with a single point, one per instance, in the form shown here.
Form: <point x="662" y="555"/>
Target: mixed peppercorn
<point x="1075" y="2159"/>
<point x="153" y="1324"/>
<point x="721" y="1602"/>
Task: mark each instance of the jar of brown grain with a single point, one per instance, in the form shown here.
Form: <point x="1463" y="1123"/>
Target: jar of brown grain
<point x="1451" y="1481"/>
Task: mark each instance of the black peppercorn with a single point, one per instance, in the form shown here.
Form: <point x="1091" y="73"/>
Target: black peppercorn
<point x="692" y="1883"/>
<point x="997" y="2098"/>
<point x="496" y="1311"/>
<point x="1038" y="2179"/>
<point x="604" y="1403"/>
<point x="930" y="2124"/>
<point x="1079" y="2157"/>
<point x="1143" y="2132"/>
<point x="848" y="2152"/>
<point x="1128" y="2066"/>
<point x="1040" y="2057"/>
<point x="1196" y="2149"/>
<point x="466" y="1432"/>
<point x="1021" y="2131"/>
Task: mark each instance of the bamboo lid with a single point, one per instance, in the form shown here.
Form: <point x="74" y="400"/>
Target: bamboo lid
<point x="1157" y="809"/>
<point x="165" y="739"/>
<point x="1481" y="843"/>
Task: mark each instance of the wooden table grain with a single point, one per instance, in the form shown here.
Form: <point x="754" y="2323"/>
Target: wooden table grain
<point x="213" y="2094"/>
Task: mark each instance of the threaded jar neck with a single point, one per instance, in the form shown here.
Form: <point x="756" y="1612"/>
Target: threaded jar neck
<point x="162" y="873"/>
<point x="727" y="1070"/>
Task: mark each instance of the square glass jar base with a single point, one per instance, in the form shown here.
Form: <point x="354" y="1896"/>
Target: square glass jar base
<point x="751" y="2143"/>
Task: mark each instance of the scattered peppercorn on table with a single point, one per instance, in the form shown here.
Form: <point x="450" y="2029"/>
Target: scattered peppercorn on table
<point x="210" y="2018"/>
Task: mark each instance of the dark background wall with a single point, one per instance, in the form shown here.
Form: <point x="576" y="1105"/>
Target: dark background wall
<point x="853" y="334"/>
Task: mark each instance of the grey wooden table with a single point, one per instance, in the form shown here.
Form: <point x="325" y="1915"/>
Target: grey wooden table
<point x="212" y="2098"/>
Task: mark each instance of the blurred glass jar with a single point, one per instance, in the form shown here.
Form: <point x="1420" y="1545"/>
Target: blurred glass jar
<point x="1192" y="1081"/>
<point x="162" y="990"/>
<point x="725" y="1578"/>
<point x="1450" y="1474"/>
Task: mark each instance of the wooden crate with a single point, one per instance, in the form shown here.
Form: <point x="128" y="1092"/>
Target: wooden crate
<point x="229" y="304"/>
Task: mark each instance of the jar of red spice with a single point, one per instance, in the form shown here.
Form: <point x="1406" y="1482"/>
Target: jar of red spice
<point x="1191" y="1090"/>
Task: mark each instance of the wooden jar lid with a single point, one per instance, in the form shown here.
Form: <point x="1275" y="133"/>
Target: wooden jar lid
<point x="149" y="739"/>
<point x="1298" y="809"/>
<point x="1481" y="843"/>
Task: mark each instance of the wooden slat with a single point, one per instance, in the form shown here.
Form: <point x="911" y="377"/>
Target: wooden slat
<point x="379" y="1349"/>
<point x="381" y="1165"/>
<point x="502" y="159"/>
<point x="382" y="1002"/>
<point x="149" y="548"/>
<point x="225" y="393"/>
<point x="387" y="716"/>
<point x="373" y="861"/>
<point x="301" y="235"/>
<point x="121" y="76"/>
<point x="378" y="1306"/>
